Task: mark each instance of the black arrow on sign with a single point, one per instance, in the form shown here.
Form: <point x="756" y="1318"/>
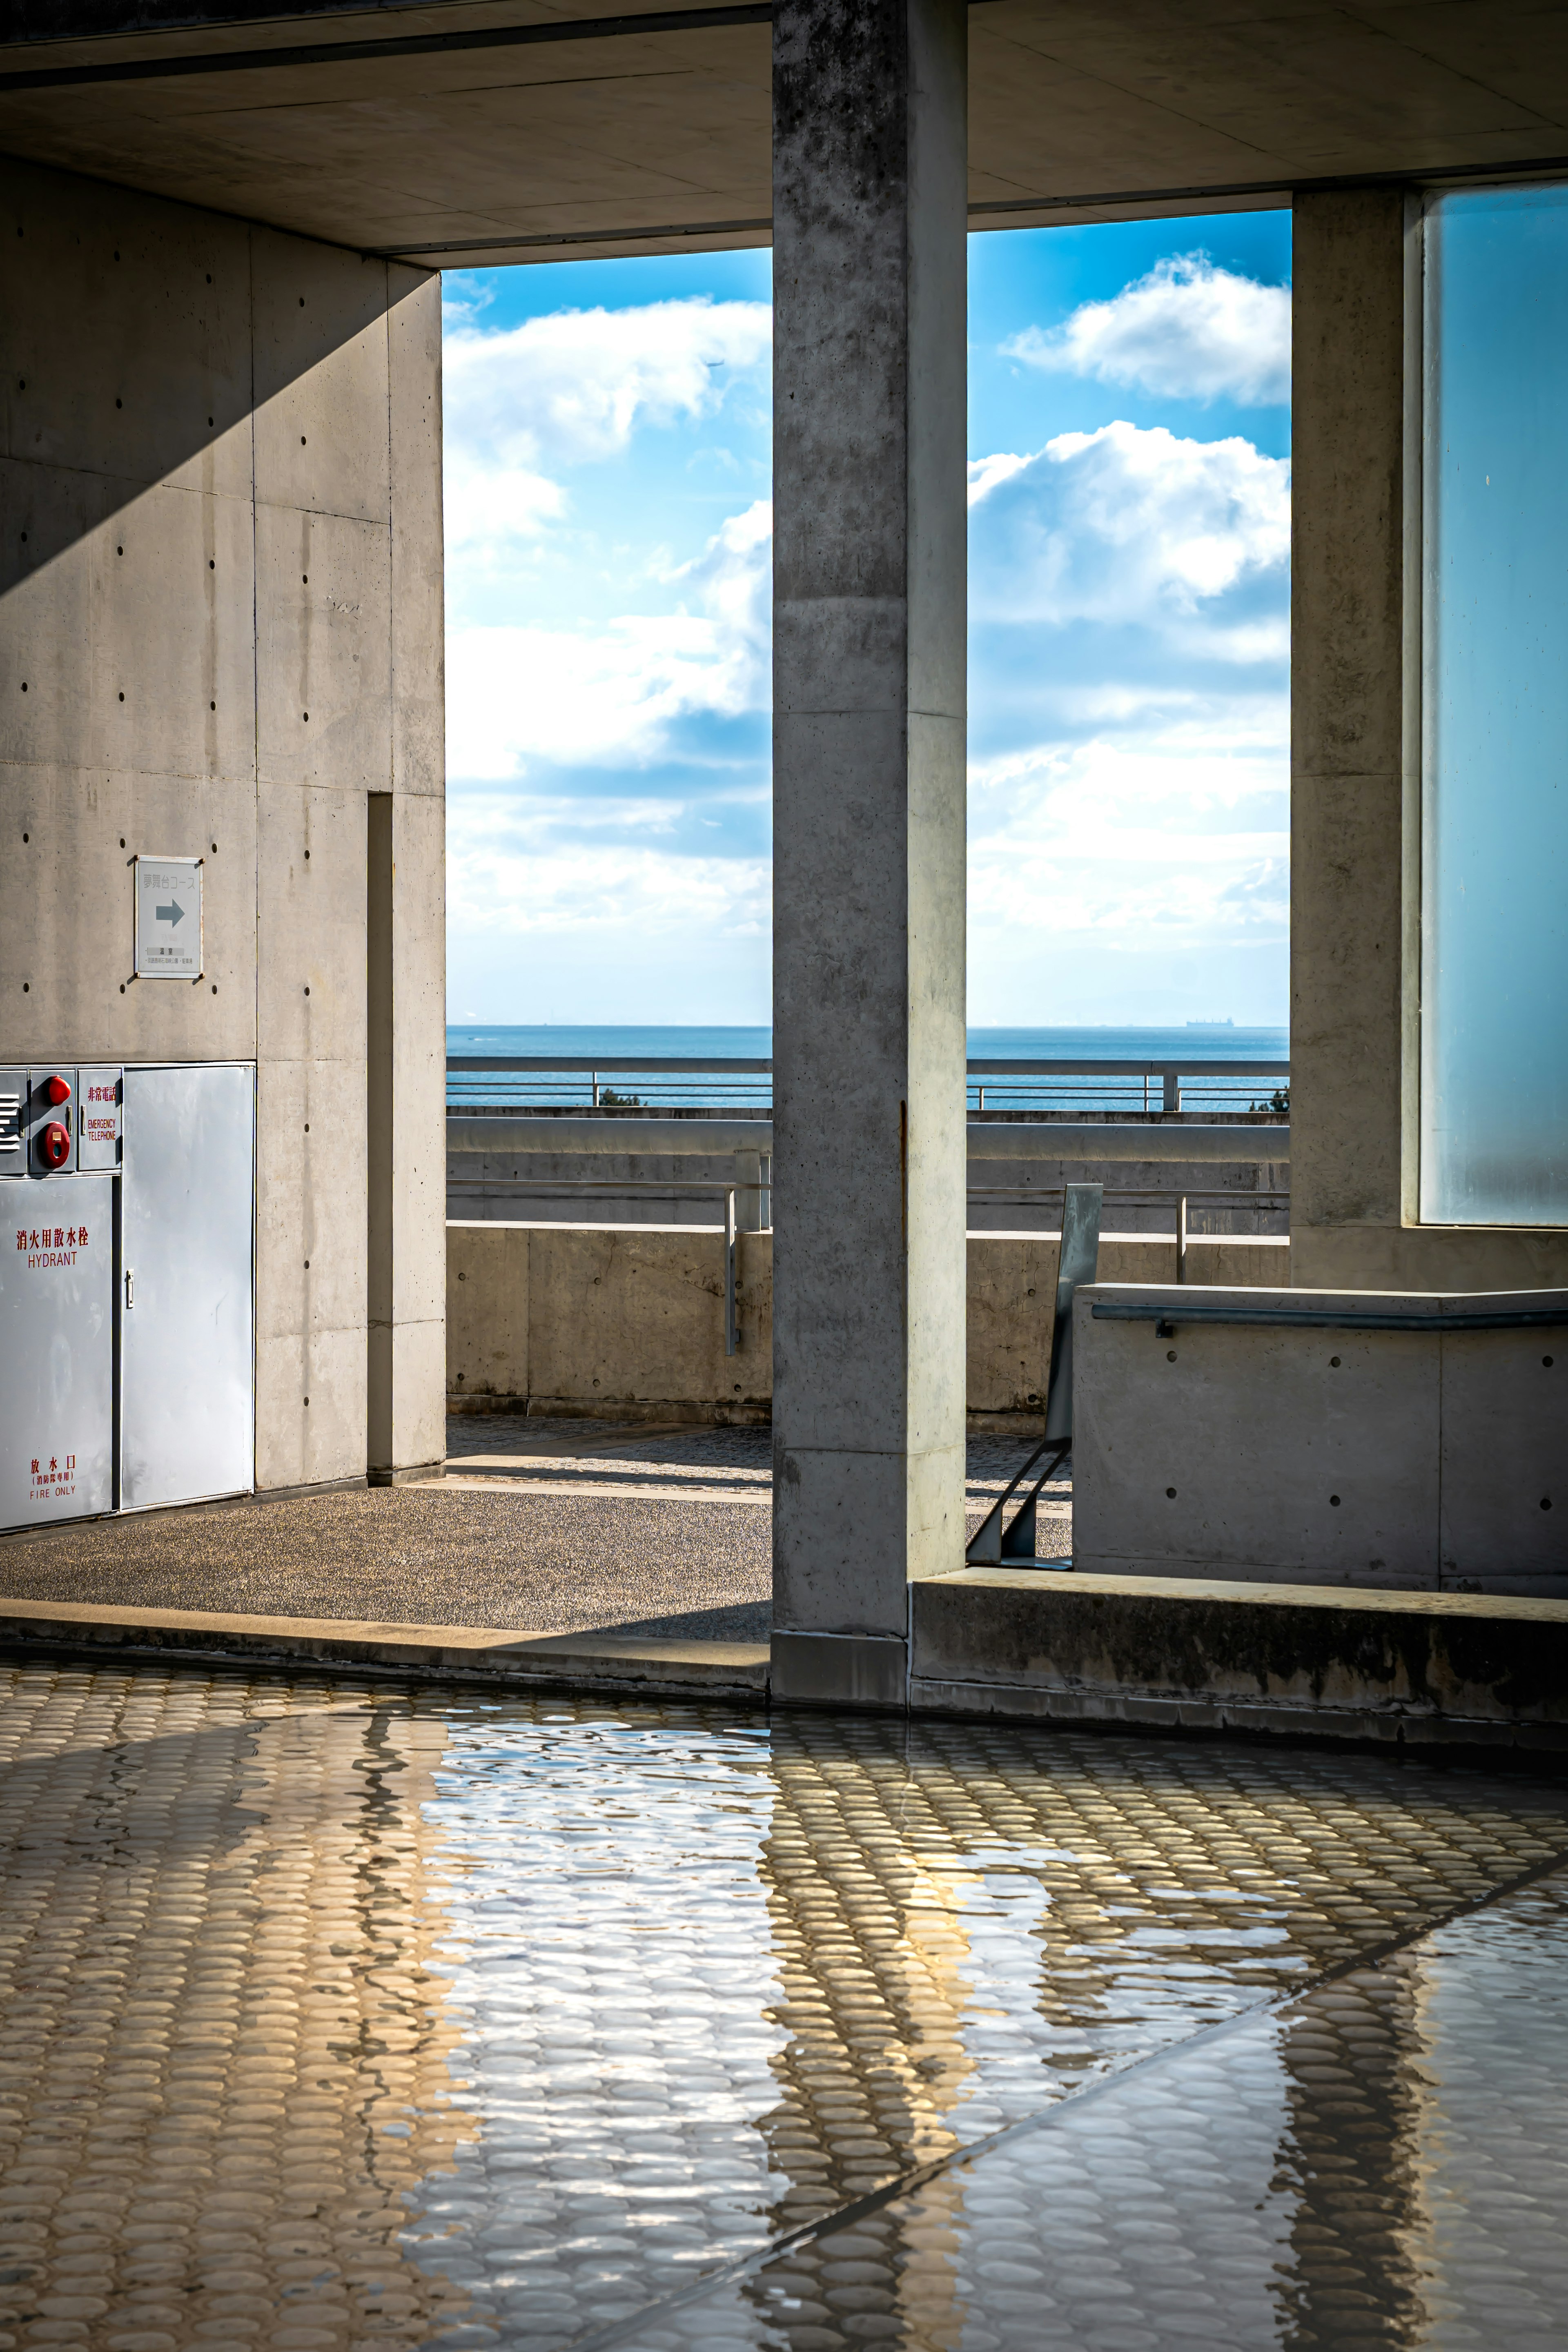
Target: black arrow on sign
<point x="175" y="914"/>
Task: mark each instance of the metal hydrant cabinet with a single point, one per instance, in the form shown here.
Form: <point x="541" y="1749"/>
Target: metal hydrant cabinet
<point x="127" y="1289"/>
<point x="57" y="1351"/>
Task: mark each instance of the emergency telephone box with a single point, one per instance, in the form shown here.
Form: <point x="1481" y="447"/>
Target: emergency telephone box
<point x="127" y="1315"/>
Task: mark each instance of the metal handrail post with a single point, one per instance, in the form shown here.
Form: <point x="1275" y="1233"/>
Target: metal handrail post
<point x="731" y="1315"/>
<point x="1076" y="1265"/>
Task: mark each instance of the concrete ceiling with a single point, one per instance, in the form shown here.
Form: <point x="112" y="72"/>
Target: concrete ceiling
<point x="474" y="130"/>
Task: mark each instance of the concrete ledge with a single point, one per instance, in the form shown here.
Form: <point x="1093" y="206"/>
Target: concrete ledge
<point x="605" y="1662"/>
<point x="1182" y="1653"/>
<point x="1141" y="1653"/>
<point x="841" y="1670"/>
<point x="686" y="1412"/>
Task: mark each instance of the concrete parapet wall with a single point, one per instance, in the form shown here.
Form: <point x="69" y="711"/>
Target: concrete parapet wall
<point x="1159" y="1654"/>
<point x="584" y="1317"/>
<point x="506" y="1167"/>
<point x="1407" y="1458"/>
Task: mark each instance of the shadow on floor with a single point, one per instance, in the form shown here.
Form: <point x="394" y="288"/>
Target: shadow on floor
<point x="743" y="1621"/>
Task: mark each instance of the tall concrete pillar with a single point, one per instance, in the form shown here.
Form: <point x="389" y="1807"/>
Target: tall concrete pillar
<point x="868" y="861"/>
<point x="1354" y="748"/>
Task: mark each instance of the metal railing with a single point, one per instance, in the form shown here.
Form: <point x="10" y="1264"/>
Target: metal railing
<point x="507" y="1135"/>
<point x="654" y="1082"/>
<point x="747" y="1194"/>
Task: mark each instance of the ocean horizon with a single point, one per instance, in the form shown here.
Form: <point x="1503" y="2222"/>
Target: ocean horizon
<point x="1205" y="1040"/>
<point x="1190" y="1046"/>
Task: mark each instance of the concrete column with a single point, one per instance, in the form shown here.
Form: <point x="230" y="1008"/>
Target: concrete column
<point x="1350" y="952"/>
<point x="405" y="934"/>
<point x="869" y="780"/>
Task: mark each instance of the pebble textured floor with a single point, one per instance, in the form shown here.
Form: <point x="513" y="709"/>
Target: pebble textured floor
<point x="338" y="2018"/>
<point x="1383" y="2164"/>
<point x="541" y="1525"/>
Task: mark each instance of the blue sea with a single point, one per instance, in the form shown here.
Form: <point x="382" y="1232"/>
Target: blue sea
<point x="1190" y="1044"/>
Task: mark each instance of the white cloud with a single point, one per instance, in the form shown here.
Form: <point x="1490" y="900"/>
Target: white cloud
<point x="487" y="507"/>
<point x="572" y="387"/>
<point x="510" y="875"/>
<point x="985" y="474"/>
<point x="1187" y="332"/>
<point x="565" y="390"/>
<point x="1181" y="838"/>
<point x="594" y="696"/>
<point x="1134" y="523"/>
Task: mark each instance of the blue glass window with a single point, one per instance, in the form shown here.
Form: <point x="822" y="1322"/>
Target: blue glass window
<point x="1494" y="992"/>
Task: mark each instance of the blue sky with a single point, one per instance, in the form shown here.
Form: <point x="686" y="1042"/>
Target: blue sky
<point x="608" y="541"/>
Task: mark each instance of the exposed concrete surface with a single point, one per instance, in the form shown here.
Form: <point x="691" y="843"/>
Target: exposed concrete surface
<point x="220" y="581"/>
<point x="1406" y="1459"/>
<point x="697" y="1667"/>
<point x="868" y="804"/>
<point x="1347" y="714"/>
<point x="662" y="1172"/>
<point x="1220" y="1655"/>
<point x="590" y="1318"/>
<point x="657" y="140"/>
<point x="1065" y="1647"/>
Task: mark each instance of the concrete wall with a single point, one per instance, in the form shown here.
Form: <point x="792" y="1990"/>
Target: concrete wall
<point x="1403" y="1458"/>
<point x="631" y="1318"/>
<point x="1355" y="773"/>
<point x="1005" y="1196"/>
<point x="220" y="512"/>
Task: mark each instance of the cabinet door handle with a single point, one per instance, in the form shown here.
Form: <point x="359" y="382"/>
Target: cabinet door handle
<point x="129" y="1288"/>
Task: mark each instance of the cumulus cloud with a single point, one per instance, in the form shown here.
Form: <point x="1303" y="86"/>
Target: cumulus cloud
<point x="523" y="402"/>
<point x="1179" y="837"/>
<point x="610" y="694"/>
<point x="571" y="387"/>
<point x="1186" y="332"/>
<point x="512" y="874"/>
<point x="1131" y="595"/>
<point x="1133" y="523"/>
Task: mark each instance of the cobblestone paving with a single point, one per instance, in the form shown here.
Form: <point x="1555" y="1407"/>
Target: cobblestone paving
<point x="1383" y="2164"/>
<point x="343" y="2018"/>
<point x="544" y="1526"/>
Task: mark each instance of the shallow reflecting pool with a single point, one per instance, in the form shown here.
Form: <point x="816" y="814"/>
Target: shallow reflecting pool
<point x="335" y="2016"/>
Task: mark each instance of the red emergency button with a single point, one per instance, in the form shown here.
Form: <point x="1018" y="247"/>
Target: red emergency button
<point x="58" y="1089"/>
<point x="55" y="1145"/>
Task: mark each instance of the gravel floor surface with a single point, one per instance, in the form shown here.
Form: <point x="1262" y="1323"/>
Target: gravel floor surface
<point x="541" y="1526"/>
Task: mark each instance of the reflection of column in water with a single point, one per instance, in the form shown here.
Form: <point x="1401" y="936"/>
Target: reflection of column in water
<point x="866" y="1899"/>
<point x="1351" y="2155"/>
<point x="356" y="2026"/>
<point x="870" y="1961"/>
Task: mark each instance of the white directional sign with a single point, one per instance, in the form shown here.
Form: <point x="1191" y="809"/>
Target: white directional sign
<point x="169" y="919"/>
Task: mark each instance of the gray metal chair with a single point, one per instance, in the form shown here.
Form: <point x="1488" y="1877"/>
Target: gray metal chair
<point x="992" y="1545"/>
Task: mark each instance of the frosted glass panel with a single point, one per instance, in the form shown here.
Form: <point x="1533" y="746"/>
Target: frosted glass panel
<point x="1494" y="1077"/>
